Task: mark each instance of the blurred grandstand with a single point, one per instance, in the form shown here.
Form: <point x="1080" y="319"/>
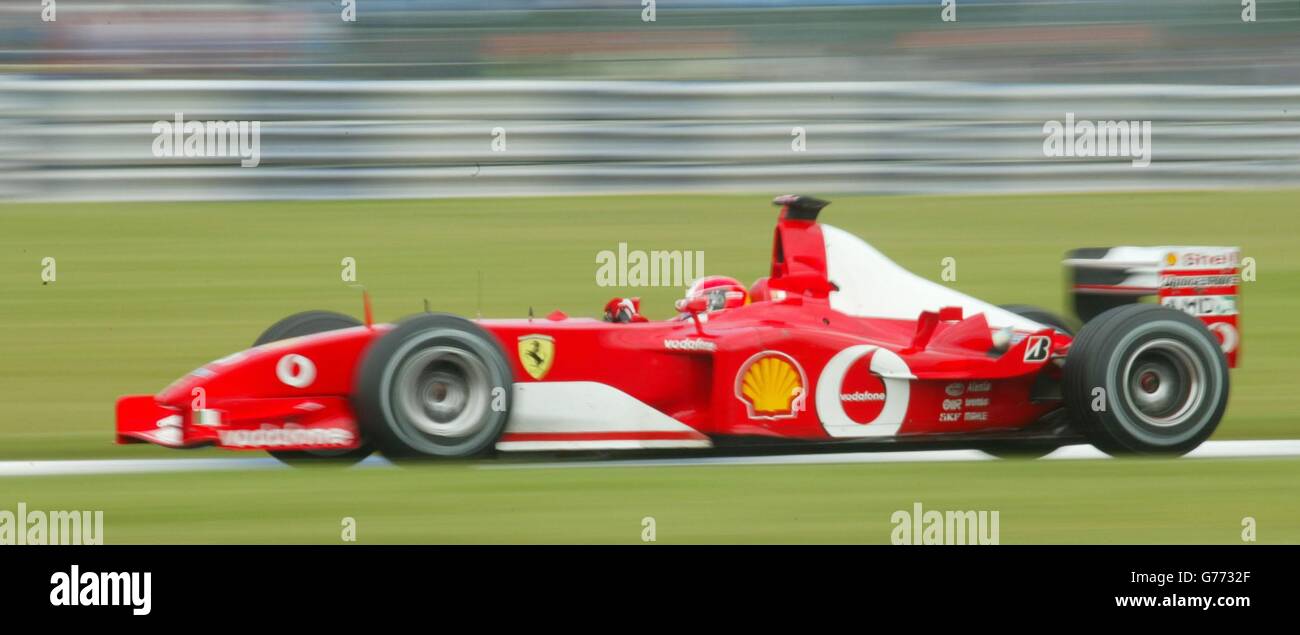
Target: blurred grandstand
<point x="402" y="101"/>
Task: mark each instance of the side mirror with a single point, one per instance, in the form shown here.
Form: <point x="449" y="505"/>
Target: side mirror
<point x="696" y="305"/>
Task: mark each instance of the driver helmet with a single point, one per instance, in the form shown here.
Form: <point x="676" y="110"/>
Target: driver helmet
<point x="722" y="293"/>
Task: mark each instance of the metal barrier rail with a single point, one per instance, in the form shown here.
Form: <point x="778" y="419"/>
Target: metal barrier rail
<point x="93" y="139"/>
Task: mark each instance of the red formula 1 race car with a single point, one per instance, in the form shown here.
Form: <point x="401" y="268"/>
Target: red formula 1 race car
<point x="839" y="347"/>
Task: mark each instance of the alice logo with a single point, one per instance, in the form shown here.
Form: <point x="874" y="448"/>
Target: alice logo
<point x="191" y="139"/>
<point x="921" y="527"/>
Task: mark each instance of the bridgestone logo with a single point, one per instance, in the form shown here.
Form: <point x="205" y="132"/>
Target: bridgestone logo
<point x="862" y="396"/>
<point x="269" y="436"/>
<point x="1180" y="282"/>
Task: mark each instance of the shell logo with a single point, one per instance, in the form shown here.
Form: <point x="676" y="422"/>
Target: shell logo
<point x="1171" y="259"/>
<point x="772" y="385"/>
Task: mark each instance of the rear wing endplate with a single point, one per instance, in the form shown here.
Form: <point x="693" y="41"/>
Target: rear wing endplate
<point x="1203" y="282"/>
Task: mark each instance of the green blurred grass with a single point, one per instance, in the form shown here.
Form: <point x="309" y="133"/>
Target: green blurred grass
<point x="1090" y="502"/>
<point x="148" y="291"/>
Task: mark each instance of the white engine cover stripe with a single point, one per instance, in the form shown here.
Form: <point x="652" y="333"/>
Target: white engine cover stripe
<point x="872" y="285"/>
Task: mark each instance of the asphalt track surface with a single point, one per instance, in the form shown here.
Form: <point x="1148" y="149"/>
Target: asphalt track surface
<point x="1209" y="450"/>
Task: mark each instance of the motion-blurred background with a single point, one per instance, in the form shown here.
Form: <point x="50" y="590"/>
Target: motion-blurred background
<point x="508" y="100"/>
<point x="405" y="98"/>
<point x="1158" y="41"/>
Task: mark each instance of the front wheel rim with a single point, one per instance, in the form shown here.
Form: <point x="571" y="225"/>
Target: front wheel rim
<point x="442" y="391"/>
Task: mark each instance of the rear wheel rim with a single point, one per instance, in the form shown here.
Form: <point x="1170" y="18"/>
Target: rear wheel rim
<point x="1165" y="381"/>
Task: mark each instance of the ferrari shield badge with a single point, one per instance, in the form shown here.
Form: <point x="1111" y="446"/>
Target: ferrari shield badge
<point x="536" y="353"/>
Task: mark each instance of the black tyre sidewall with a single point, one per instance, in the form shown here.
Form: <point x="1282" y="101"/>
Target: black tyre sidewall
<point x="1042" y="316"/>
<point x="306" y="323"/>
<point x="1120" y="332"/>
<point x="1077" y="388"/>
<point x="320" y="457"/>
<point x="298" y="325"/>
<point x="1022" y="450"/>
<point x="374" y="396"/>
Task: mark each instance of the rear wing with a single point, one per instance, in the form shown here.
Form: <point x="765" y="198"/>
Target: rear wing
<point x="1200" y="281"/>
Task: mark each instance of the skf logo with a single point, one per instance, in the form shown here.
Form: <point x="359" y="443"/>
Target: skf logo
<point x="1038" y="349"/>
<point x="772" y="385"/>
<point x="536" y="354"/>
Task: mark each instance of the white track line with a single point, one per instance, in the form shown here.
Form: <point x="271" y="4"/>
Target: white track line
<point x="144" y="466"/>
<point x="130" y="466"/>
<point x="1209" y="450"/>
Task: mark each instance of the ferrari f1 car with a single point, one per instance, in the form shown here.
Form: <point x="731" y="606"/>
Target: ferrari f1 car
<point x="836" y="349"/>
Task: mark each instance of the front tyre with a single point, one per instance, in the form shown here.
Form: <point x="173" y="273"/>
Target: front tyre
<point x="1145" y="379"/>
<point x="437" y="385"/>
<point x="309" y="323"/>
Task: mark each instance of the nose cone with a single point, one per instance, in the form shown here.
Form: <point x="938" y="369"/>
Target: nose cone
<point x="197" y="382"/>
<point x="319" y="365"/>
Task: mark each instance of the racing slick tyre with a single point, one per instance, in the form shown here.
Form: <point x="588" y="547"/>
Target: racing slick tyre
<point x="308" y="323"/>
<point x="1145" y="379"/>
<point x="437" y="385"/>
<point x="1031" y="448"/>
<point x="1017" y="449"/>
<point x="1042" y="316"/>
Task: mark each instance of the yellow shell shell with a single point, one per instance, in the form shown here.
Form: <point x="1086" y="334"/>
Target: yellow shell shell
<point x="771" y="384"/>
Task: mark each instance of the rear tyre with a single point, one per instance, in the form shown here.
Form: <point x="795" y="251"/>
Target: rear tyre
<point x="1042" y="316"/>
<point x="1145" y="379"/>
<point x="297" y="325"/>
<point x="437" y="385"/>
